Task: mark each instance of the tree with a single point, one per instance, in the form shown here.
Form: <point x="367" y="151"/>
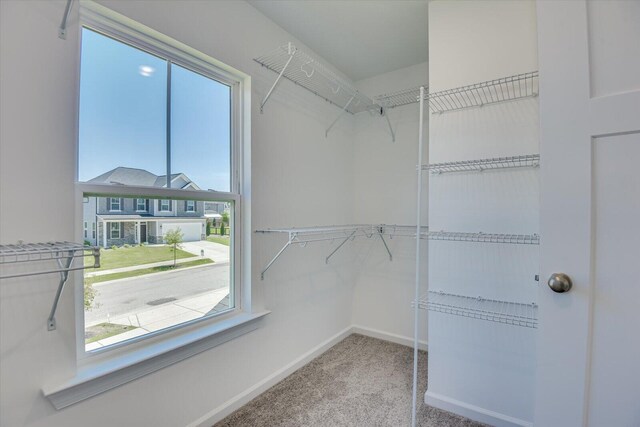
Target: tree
<point x="208" y="228"/>
<point x="225" y="221"/>
<point x="174" y="237"/>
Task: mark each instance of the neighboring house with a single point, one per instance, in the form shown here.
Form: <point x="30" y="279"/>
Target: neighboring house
<point x="109" y="221"/>
<point x="213" y="212"/>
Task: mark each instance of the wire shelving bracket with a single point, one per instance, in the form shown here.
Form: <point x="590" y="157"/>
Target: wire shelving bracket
<point x="506" y="312"/>
<point x="62" y="30"/>
<point x="523" y="161"/>
<point x="513" y="239"/>
<point x="396" y="99"/>
<point x="63" y="253"/>
<point x="341" y="234"/>
<point x="302" y="69"/>
<point x="490" y="92"/>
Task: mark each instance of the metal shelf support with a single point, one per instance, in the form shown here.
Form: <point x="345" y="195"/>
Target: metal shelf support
<point x="62" y="31"/>
<point x="63" y="253"/>
<point x="344" y="109"/>
<point x="291" y="51"/>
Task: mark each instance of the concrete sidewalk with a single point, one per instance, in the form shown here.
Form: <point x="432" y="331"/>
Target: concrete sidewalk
<point x="165" y="315"/>
<point x="142" y="266"/>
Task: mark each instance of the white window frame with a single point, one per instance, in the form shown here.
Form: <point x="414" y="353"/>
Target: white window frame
<point x="161" y="205"/>
<point x="111" y="208"/>
<point x="114" y="227"/>
<point x="101" y="370"/>
<point x="86" y="228"/>
<point x="191" y="206"/>
<point x="144" y="205"/>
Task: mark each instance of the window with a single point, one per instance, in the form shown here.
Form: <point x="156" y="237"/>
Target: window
<point x="85" y="229"/>
<point x="114" y="203"/>
<point x="131" y="95"/>
<point x="93" y="229"/>
<point x="141" y="205"/>
<point x="114" y="230"/>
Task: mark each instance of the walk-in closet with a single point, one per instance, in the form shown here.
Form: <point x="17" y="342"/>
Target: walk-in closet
<point x="319" y="213"/>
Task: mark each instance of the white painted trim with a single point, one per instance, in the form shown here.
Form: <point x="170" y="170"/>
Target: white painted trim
<point x="387" y="336"/>
<point x="97" y="378"/>
<point x="243" y="398"/>
<point x="473" y="412"/>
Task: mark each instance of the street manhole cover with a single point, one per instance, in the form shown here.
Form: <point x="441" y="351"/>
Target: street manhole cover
<point x="161" y="301"/>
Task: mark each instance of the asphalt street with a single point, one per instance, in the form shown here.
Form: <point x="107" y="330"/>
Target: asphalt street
<point x="124" y="296"/>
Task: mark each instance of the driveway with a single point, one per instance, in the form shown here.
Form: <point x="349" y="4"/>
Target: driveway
<point x="215" y="251"/>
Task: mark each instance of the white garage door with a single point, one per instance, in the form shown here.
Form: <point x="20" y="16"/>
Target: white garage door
<point x="192" y="231"/>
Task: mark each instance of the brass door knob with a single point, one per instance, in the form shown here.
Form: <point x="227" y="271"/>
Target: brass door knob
<point x="559" y="282"/>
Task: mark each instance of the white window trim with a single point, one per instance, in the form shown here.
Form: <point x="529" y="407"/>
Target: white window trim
<point x="161" y="209"/>
<point x="111" y="204"/>
<point x="144" y="203"/>
<point x="112" y="227"/>
<point x="100" y="371"/>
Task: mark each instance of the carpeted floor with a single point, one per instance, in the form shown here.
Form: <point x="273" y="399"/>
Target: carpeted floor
<point x="361" y="381"/>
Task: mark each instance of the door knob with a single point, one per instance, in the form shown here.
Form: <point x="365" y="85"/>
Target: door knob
<point x="559" y="282"/>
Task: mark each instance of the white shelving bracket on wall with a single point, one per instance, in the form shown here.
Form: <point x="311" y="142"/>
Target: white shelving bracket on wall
<point x="392" y="100"/>
<point x="341" y="233"/>
<point x="62" y="252"/>
<point x="62" y="30"/>
<point x="304" y="70"/>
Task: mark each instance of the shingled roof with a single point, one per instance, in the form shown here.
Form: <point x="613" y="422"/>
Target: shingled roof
<point x="139" y="177"/>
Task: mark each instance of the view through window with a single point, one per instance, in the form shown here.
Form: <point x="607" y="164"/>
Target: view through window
<point x="147" y="122"/>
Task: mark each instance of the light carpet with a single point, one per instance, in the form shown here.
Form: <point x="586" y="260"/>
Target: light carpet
<point x="361" y="381"/>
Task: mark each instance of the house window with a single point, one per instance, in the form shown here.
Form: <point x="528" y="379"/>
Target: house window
<point x="93" y="229"/>
<point x="85" y="229"/>
<point x="114" y="230"/>
<point x="141" y="205"/>
<point x="129" y="88"/>
<point x="114" y="204"/>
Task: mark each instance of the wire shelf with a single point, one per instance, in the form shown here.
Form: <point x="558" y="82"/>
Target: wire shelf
<point x="33" y="252"/>
<point x="401" y="97"/>
<point x="340" y="234"/>
<point x="63" y="253"/>
<point x="489" y="92"/>
<point x="515" y="239"/>
<point x="308" y="72"/>
<point x="507" y="312"/>
<point x="523" y="161"/>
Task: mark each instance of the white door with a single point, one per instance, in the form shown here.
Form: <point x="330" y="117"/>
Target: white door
<point x="588" y="355"/>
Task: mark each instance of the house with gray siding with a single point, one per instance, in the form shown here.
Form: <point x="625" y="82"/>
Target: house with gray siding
<point x="109" y="221"/>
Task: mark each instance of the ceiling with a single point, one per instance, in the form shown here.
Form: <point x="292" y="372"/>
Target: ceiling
<point x="362" y="38"/>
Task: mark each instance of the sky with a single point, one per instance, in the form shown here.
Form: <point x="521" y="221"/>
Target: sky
<point x="123" y="93"/>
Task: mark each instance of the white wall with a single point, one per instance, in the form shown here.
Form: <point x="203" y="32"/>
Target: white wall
<point x="385" y="192"/>
<point x="299" y="178"/>
<point x="481" y="369"/>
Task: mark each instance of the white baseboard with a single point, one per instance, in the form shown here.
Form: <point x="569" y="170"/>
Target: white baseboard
<point x="236" y="402"/>
<point x="473" y="412"/>
<point x="387" y="336"/>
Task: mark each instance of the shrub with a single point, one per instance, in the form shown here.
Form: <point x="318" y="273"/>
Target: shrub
<point x="222" y="229"/>
<point x="208" y="228"/>
<point x="126" y="245"/>
<point x="89" y="295"/>
<point x="114" y="247"/>
<point x="87" y="243"/>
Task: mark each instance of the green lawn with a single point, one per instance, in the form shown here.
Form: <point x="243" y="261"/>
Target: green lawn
<point x="219" y="239"/>
<point x="135" y="255"/>
<point x="104" y="330"/>
<point x="141" y="272"/>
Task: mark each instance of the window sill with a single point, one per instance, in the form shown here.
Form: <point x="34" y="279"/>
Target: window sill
<point x="99" y="377"/>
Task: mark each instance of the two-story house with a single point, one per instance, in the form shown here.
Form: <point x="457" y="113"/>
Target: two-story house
<point x="109" y="221"/>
